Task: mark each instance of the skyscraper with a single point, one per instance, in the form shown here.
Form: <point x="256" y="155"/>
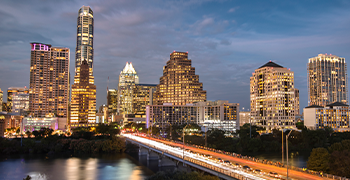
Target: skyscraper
<point x="272" y="98"/>
<point x="327" y="80"/>
<point x="112" y="101"/>
<point x="85" y="38"/>
<point x="142" y="96"/>
<point x="83" y="105"/>
<point x="127" y="79"/>
<point x="49" y="81"/>
<point x="179" y="84"/>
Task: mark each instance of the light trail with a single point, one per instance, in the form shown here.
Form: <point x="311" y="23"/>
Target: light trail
<point x="179" y="152"/>
<point x="293" y="174"/>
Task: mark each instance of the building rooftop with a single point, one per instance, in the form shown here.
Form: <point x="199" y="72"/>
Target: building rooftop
<point x="337" y="104"/>
<point x="271" y="64"/>
<point x="314" y="106"/>
<point x="146" y="85"/>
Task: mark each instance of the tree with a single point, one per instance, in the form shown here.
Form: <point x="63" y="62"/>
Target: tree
<point x="28" y="133"/>
<point x="318" y="160"/>
<point x="339" y="163"/>
<point x="335" y="147"/>
<point x="300" y="125"/>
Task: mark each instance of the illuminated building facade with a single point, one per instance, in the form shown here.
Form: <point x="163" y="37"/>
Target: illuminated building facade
<point x="244" y="117"/>
<point x="179" y="84"/>
<point x="49" y="81"/>
<point x="112" y="101"/>
<point x="11" y="93"/>
<point x="85" y="38"/>
<point x="214" y="115"/>
<point x="142" y="96"/>
<point x="20" y="104"/>
<point x="83" y="102"/>
<point x="327" y="80"/>
<point x="127" y="79"/>
<point x="335" y="115"/>
<point x="272" y="98"/>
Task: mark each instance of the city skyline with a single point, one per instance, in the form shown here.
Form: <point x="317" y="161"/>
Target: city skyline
<point x="226" y="41"/>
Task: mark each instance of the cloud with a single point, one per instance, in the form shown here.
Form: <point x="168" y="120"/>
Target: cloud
<point x="224" y="51"/>
<point x="233" y="9"/>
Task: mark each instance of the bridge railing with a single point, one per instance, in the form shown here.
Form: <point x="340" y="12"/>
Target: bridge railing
<point x="278" y="164"/>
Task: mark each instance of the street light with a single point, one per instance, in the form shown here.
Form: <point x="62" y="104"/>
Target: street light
<point x="287" y="149"/>
<point x="183" y="145"/>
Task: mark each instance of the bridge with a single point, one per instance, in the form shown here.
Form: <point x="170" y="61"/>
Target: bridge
<point x="193" y="157"/>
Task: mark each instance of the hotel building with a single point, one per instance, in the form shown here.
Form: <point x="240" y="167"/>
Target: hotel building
<point x="49" y="81"/>
<point x="1" y="96"/>
<point x="327" y="80"/>
<point x="179" y="84"/>
<point x="335" y="115"/>
<point x="272" y="97"/>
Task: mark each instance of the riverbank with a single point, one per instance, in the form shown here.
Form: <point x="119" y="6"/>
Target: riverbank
<point x="54" y="144"/>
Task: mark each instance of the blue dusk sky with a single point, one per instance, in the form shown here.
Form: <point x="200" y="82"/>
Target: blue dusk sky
<point x="226" y="40"/>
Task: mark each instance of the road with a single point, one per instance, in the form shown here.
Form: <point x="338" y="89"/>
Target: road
<point x="255" y="165"/>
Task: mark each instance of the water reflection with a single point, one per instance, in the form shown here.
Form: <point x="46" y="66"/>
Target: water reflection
<point x="105" y="167"/>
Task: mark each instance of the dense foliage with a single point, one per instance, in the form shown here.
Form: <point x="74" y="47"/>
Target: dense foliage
<point x="180" y="175"/>
<point x="82" y="141"/>
<point x="335" y="159"/>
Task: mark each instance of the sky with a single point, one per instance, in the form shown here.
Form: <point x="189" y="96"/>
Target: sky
<point x="226" y="39"/>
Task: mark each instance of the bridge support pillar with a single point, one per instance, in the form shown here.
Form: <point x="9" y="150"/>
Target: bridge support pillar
<point x="152" y="156"/>
<point x="142" y="151"/>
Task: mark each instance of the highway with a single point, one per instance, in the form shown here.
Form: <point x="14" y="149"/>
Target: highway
<point x="196" y="154"/>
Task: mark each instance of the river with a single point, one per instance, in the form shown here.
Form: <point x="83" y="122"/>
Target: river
<point x="103" y="167"/>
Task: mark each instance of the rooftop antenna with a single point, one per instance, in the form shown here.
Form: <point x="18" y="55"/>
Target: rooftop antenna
<point x="107" y="84"/>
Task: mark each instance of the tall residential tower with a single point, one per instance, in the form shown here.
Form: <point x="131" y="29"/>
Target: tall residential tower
<point x="83" y="105"/>
<point x="272" y="97"/>
<point x="327" y="80"/>
<point x="179" y="84"/>
<point x="49" y="81"/>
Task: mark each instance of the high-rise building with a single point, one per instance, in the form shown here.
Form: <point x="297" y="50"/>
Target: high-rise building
<point x="272" y="98"/>
<point x="49" y="81"/>
<point x="142" y="96"/>
<point x="85" y="38"/>
<point x="179" y="84"/>
<point x="127" y="79"/>
<point x="327" y="80"/>
<point x="112" y="101"/>
<point x="13" y="91"/>
<point x="83" y="103"/>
